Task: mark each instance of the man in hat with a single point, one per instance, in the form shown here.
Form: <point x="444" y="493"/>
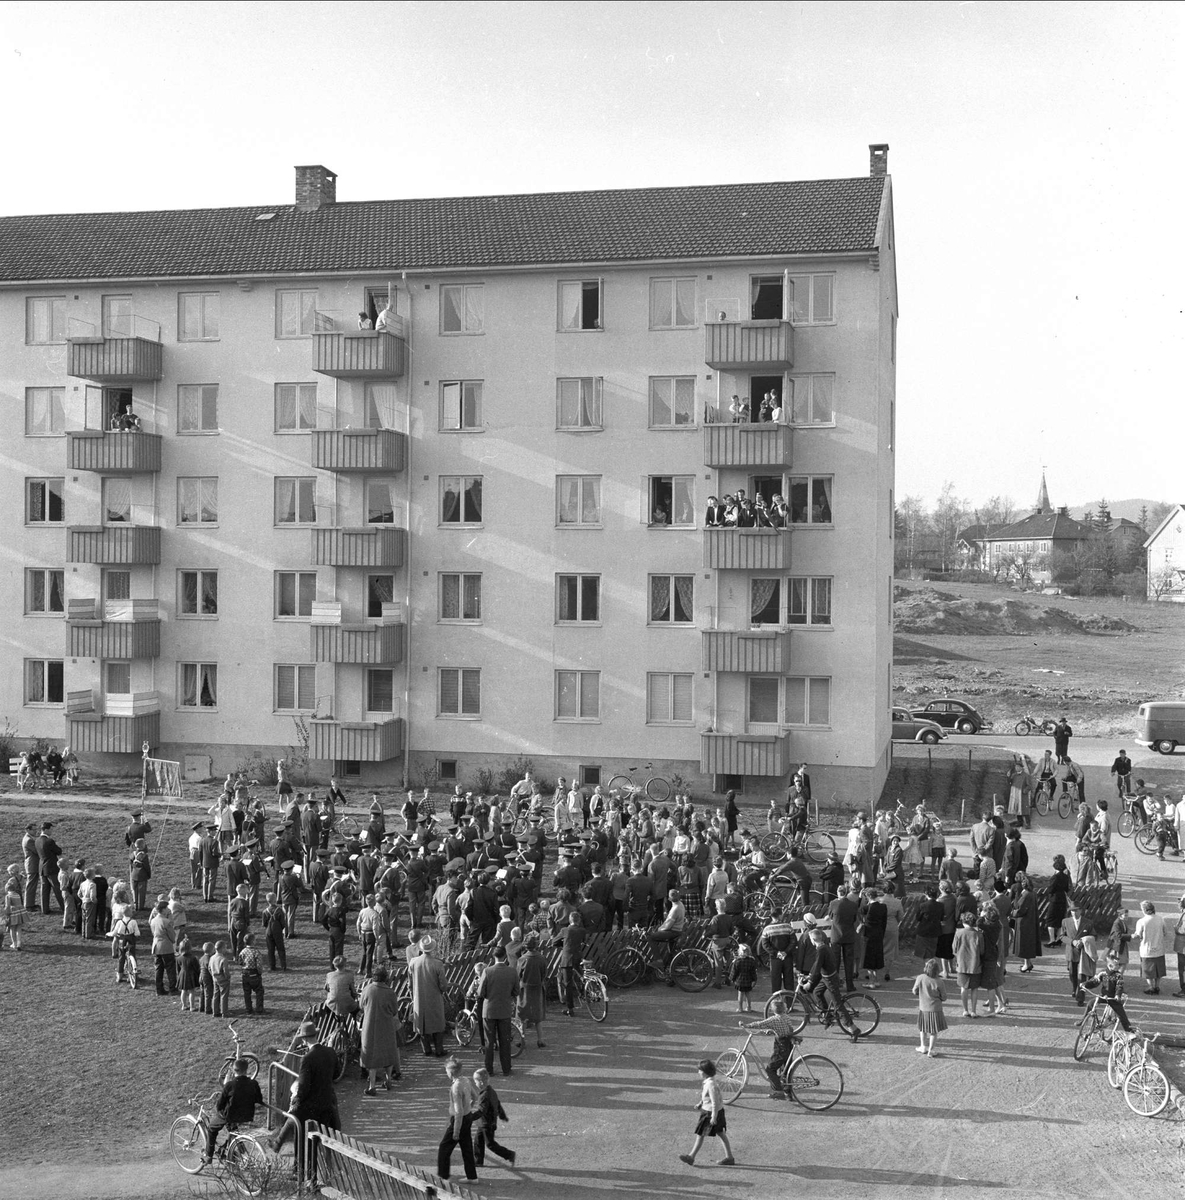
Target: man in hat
<point x="417" y="887"/>
<point x="254" y="868"/>
<point x="32" y="866"/>
<point x="313" y="1097"/>
<point x="195" y="854"/>
<point x="483" y="904"/>
<point x="496" y="996"/>
<point x="366" y="868"/>
<point x="48" y="853"/>
<point x="236" y="873"/>
<point x="428" y="980"/>
<point x="567" y="874"/>
<point x="318" y="881"/>
<point x="139" y="828"/>
<point x="141" y="874"/>
<point x="310" y="832"/>
<point x="831" y="876"/>
<point x="288" y="893"/>
<point x="446" y="902"/>
<point x="211" y="854"/>
<point x="339" y="857"/>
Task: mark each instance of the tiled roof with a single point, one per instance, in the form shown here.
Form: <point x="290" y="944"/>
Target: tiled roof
<point x="1047" y="526"/>
<point x="471" y="231"/>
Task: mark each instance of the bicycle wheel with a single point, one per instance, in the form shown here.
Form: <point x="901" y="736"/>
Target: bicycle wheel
<point x="759" y="905"/>
<point x="781" y="890"/>
<point x="518" y="1039"/>
<point x="347" y="827"/>
<point x="464" y="1027"/>
<point x="691" y="970"/>
<point x="1043" y="801"/>
<point x="1146" y="1090"/>
<point x="248" y="1165"/>
<point x="1118" y="1062"/>
<point x="1023" y="729"/>
<point x="815" y="1082"/>
<point x="336" y="1042"/>
<point x="1088" y="1035"/>
<point x="732" y="1073"/>
<point x="1126" y="824"/>
<point x="252" y="1061"/>
<point x="658" y="789"/>
<point x="817" y="845"/>
<point x="596" y="999"/>
<point x="1063" y="806"/>
<point x="859" y="1015"/>
<point x="775" y="847"/>
<point x="621" y="782"/>
<point x="132" y="970"/>
<point x="1048" y="726"/>
<point x="794" y="1008"/>
<point x="187" y="1140"/>
<point x="625" y="967"/>
<point x="1144" y="838"/>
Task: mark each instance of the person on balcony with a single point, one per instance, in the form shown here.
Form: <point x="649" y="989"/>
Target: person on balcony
<point x="715" y="513"/>
<point x="364" y="321"/>
<point x="738" y="409"/>
<point x="388" y="319"/>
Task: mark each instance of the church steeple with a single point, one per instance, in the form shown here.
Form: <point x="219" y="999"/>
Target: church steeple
<point x="1043" y="505"/>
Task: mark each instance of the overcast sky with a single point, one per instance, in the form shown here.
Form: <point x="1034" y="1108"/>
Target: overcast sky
<point x="1035" y="152"/>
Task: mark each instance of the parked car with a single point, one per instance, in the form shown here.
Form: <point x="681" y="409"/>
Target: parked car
<point x="1160" y="725"/>
<point x="909" y="728"/>
<point x="952" y="714"/>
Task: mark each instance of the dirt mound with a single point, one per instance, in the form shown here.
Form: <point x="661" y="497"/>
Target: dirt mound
<point x="927" y="610"/>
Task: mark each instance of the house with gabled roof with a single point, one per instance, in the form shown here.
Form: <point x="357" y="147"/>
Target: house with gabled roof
<point x="1164" y="552"/>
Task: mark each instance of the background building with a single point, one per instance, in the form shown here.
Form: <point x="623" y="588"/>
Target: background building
<point x="1165" y="552"/>
<point x="476" y="532"/>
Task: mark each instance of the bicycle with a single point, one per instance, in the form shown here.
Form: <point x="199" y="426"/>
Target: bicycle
<point x="465" y="1026"/>
<point x="227" y="1071"/>
<point x="593" y="989"/>
<point x="689" y="969"/>
<point x="346" y="1042"/>
<point x="1030" y="724"/>
<point x="1145" y="1086"/>
<point x="811" y="1079"/>
<point x="857" y="1013"/>
<point x="240" y="1156"/>
<point x="656" y="788"/>
<point x="1044" y="802"/>
<point x="1097" y="1025"/>
<point x="815" y="843"/>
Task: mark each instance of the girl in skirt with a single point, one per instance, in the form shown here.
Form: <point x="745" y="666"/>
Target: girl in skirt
<point x="930" y="994"/>
<point x="712" y="1122"/>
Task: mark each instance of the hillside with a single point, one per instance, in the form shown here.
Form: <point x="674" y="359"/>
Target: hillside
<point x="1128" y="510"/>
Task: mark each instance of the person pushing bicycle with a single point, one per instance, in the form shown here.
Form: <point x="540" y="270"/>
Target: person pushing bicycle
<point x="781" y="1025"/>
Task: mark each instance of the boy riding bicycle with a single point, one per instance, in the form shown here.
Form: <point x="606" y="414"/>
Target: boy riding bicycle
<point x="781" y="1025"/>
<point x="824" y="984"/>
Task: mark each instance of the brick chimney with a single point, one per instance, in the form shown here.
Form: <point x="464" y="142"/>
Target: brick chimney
<point x="878" y="159"/>
<point x="315" y="186"/>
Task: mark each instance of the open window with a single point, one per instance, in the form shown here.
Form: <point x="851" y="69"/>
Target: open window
<point x="580" y="304"/>
<point x="766" y="297"/>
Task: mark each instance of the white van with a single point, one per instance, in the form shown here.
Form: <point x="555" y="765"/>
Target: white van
<point x="1160" y="725"/>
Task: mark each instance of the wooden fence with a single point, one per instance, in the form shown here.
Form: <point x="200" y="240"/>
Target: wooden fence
<point x="365" y="1172"/>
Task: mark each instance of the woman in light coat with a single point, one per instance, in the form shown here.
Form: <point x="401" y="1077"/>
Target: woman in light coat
<point x="380" y="1020"/>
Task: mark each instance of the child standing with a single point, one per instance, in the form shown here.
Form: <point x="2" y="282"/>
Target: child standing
<point x="712" y="1122"/>
<point x="190" y="974"/>
<point x="937" y="846"/>
<point x="179" y="915"/>
<point x="205" y="979"/>
<point x="930" y="994"/>
<point x="14" y="909"/>
<point x="219" y="968"/>
<point x="489" y="1113"/>
<point x="742" y="975"/>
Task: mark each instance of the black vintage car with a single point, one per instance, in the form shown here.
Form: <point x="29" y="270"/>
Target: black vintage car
<point x="952" y="714"/>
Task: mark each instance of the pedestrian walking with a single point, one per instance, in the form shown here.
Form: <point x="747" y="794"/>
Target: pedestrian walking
<point x="462" y="1107"/>
<point x="930" y="994"/>
<point x="489" y="1113"/>
<point x="1150" y="933"/>
<point x="712" y="1121"/>
<point x="380" y="1021"/>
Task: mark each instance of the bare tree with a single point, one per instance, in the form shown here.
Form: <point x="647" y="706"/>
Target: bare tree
<point x="1164" y="582"/>
<point x="950" y="513"/>
<point x="997" y="510"/>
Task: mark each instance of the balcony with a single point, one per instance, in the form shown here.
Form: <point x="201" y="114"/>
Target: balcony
<point x="756" y="651"/>
<point x="113" y="545"/>
<point x="126" y="629"/>
<point x="114" y="359"/>
<point x="766" y="444"/>
<point x="94" y="450"/>
<point x="364" y="546"/>
<point x="744" y="754"/>
<point x="94" y="733"/>
<point x="747" y="549"/>
<point x="366" y="645"/>
<point x="359" y="354"/>
<point x="362" y="741"/>
<point x="749" y="345"/>
<point x="345" y="450"/>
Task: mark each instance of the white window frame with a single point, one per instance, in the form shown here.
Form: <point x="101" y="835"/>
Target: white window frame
<point x="200" y="674"/>
<point x="301" y="484"/>
<point x="45" y="575"/>
<point x="648" y="495"/>
<point x="371" y="674"/>
<point x="54" y="398"/>
<point x="301" y="302"/>
<point x="298" y="578"/>
<point x="584" y="483"/>
<point x="206" y="489"/>
<point x="580" y="716"/>
<point x="667" y="679"/>
<point x="200" y="613"/>
<point x="117" y="676"/>
<point x="109" y="575"/>
<point x="300" y="672"/>
<point x="812" y="584"/>
<point x="111" y="320"/>
<point x="460" y="673"/>
<point x="589" y="388"/>
<point x="472" y="324"/>
<point x="205" y="395"/>
<point x="672" y="382"/>
<point x="46" y="482"/>
<point x="809" y="383"/>
<point x="44" y="664"/>
<point x="110" y="484"/>
<point x="209" y="313"/>
<point x="790" y="681"/>
<point x="388" y="510"/>
<point x="672" y="596"/>
<point x="298" y="393"/>
<point x="370" y="578"/>
<point x="580" y="577"/>
<point x="671" y="284"/>
<point x="464" y="482"/>
<point x="54" y="318"/>
<point x="812" y="282"/>
<point x="810" y="488"/>
<point x="461" y="578"/>
<point x="456" y="396"/>
<point x="584" y="285"/>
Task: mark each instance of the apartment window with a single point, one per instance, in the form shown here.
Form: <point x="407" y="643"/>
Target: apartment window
<point x="462" y="308"/>
<point x="808" y="700"/>
<point x="458" y="692"/>
<point x="296" y="407"/>
<point x="446" y="769"/>
<point x="44" y="681"/>
<point x="380" y="400"/>
<point x="460" y="404"/>
<point x="460" y="597"/>
<point x="380" y="590"/>
<point x="380" y="503"/>
<point x="589" y="775"/>
<point x="578" y="403"/>
<point x="578" y="599"/>
<point x="809" y="601"/>
<point x="295" y="593"/>
<point x="672" y="500"/>
<point x="672" y="303"/>
<point x="578" y="500"/>
<point x="44" y="503"/>
<point x="197" y="316"/>
<point x="766" y="297"/>
<point x="580" y="304"/>
<point x="810" y="500"/>
<point x="296" y="500"/>
<point x="45" y="411"/>
<point x="296" y="687"/>
<point x="765" y="601"/>
<point x="45" y="320"/>
<point x="811" y="399"/>
<point x="117" y="501"/>
<point x="117" y="677"/>
<point x="668" y="699"/>
<point x="672" y="401"/>
<point x="380" y="691"/>
<point x="763" y="700"/>
<point x="117" y="316"/>
<point x="117" y="585"/>
<point x="296" y="312"/>
<point x="45" y="591"/>
<point x="199" y="685"/>
<point x="460" y="499"/>
<point x="197" y="501"/>
<point x="577" y="695"/>
<point x="672" y="599"/>
<point x="198" y="593"/>
<point x="812" y="299"/>
<point x="197" y="408"/>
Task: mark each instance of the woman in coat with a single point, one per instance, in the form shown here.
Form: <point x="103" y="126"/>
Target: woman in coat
<point x="532" y="996"/>
<point x="428" y="985"/>
<point x="876" y="918"/>
<point x="895" y="867"/>
<point x="341" y="996"/>
<point x="1059" y="896"/>
<point x="967" y="950"/>
<point x="925" y="941"/>
<point x="1024" y="923"/>
<point x="380" y="1020"/>
<point x="1016" y="856"/>
<point x="945" y="948"/>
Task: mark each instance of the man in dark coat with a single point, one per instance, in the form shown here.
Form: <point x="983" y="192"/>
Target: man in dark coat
<point x="48" y="853"/>
<point x="32" y="867"/>
<point x="843" y="912"/>
<point x="1062" y="733"/>
<point x="211" y="854"/>
<point x="313" y="1097"/>
<point x="139" y="828"/>
<point x="571" y="943"/>
<point x="496" y="995"/>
